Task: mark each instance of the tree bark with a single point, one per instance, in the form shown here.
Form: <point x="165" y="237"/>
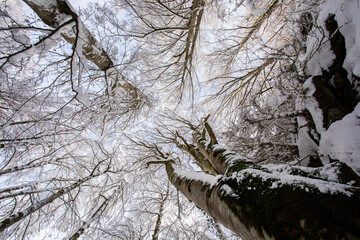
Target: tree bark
<point x="280" y="202"/>
<point x="155" y="235"/>
<point x="219" y="157"/>
<point x="200" y="160"/>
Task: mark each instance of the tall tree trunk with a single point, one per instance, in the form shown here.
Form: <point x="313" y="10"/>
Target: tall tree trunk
<point x="200" y="160"/>
<point x="280" y="202"/>
<point x="220" y="159"/>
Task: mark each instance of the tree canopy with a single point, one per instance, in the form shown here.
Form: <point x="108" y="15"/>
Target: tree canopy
<point x="181" y="119"/>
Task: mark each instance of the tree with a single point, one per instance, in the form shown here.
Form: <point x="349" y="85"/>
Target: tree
<point x="48" y="159"/>
<point x="267" y="201"/>
<point x="94" y="102"/>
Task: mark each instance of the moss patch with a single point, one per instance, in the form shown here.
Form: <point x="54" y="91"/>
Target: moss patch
<point x="292" y="211"/>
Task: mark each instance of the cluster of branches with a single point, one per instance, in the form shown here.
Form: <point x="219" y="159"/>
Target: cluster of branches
<point x="175" y="145"/>
<point x="58" y="86"/>
<point x="167" y="34"/>
<point x="260" y="83"/>
<point x="249" y="57"/>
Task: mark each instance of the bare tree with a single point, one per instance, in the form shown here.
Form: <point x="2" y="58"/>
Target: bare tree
<point x="258" y="201"/>
<point x="248" y="57"/>
<point x="28" y="200"/>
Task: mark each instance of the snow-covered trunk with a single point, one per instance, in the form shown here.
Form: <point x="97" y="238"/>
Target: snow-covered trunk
<point x="329" y="129"/>
<point x="218" y="156"/>
<point x="279" y="202"/>
<point x="54" y="13"/>
<point x="200" y="160"/>
<point x="334" y="92"/>
<point x="7" y="222"/>
<point x="201" y="191"/>
<point x="206" y="149"/>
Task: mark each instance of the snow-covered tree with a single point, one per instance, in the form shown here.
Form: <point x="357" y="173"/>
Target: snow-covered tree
<point x="113" y="117"/>
<point x="264" y="201"/>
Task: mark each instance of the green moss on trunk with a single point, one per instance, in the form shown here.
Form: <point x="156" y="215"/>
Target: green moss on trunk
<point x="291" y="211"/>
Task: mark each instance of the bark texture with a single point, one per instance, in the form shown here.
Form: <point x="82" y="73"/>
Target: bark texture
<point x="205" y="196"/>
<point x="86" y="224"/>
<point x="262" y="203"/>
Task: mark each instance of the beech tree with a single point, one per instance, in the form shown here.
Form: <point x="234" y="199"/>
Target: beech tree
<point x="264" y="201"/>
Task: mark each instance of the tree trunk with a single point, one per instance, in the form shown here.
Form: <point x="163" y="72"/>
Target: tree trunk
<point x="281" y="202"/>
<point x="155" y="235"/>
<point x="219" y="157"/>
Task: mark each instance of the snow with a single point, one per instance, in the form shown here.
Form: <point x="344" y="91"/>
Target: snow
<point x="313" y="106"/>
<point x="306" y="146"/>
<point x="199" y="176"/>
<point x="21" y="38"/>
<point x="15" y="9"/>
<point x="228" y="190"/>
<point x="318" y="46"/>
<point x="342" y="140"/>
<point x="81" y="4"/>
<point x="250" y="4"/>
<point x="321" y="60"/>
<point x="348" y="18"/>
<point x="283" y="178"/>
<point x="82" y="96"/>
<point x="231" y="157"/>
<point x="328" y="172"/>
